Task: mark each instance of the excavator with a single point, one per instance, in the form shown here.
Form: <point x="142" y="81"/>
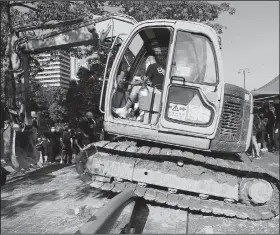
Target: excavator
<point x="188" y="149"/>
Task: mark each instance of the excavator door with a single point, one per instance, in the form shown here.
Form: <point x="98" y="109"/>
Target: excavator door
<point x="193" y="87"/>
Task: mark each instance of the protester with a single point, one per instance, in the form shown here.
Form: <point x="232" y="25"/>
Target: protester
<point x="77" y="137"/>
<point x="66" y="145"/>
<point x="42" y="147"/>
<point x="260" y="133"/>
<point x="4" y="115"/>
<point x="256" y="130"/>
<point x="87" y="127"/>
<point x="264" y="133"/>
<point x="4" y="118"/>
<point x="21" y="111"/>
<point x="34" y="120"/>
<point x="277" y="124"/>
<point x="269" y="137"/>
<point x="53" y="146"/>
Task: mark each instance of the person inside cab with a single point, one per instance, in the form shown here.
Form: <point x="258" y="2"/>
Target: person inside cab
<point x="154" y="77"/>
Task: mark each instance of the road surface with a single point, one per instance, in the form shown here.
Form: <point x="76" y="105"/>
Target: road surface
<point x="54" y="200"/>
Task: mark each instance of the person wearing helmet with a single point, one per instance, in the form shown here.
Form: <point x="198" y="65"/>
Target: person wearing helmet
<point x="87" y="127"/>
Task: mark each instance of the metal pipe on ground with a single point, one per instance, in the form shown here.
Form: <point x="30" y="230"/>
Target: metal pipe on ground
<point x="104" y="221"/>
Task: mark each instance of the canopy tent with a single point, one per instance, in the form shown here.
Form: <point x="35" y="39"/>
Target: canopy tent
<point x="268" y="91"/>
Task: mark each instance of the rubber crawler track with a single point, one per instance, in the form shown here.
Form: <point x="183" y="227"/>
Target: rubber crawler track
<point x="182" y="201"/>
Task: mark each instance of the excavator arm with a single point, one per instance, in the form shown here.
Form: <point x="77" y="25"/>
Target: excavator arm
<point x="87" y="31"/>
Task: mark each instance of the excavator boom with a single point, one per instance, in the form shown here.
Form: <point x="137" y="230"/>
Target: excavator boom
<point x="77" y="32"/>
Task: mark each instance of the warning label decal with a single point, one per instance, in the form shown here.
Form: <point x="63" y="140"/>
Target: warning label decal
<point x="177" y="111"/>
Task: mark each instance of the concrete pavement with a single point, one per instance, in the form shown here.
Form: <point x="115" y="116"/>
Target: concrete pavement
<point x="46" y="201"/>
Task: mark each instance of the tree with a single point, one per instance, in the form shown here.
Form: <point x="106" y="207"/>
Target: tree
<point x="38" y="98"/>
<point x="85" y="95"/>
<point x="198" y="11"/>
<point x="57" y="112"/>
<point x="57" y="98"/>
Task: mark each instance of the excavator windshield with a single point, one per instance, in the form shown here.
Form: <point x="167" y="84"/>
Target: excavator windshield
<point x="194" y="59"/>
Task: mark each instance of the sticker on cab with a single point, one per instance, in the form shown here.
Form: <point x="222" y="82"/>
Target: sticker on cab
<point x="198" y="113"/>
<point x="177" y="111"/>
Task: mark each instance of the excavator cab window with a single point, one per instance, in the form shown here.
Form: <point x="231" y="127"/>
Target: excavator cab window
<point x="194" y="59"/>
<point x="149" y="41"/>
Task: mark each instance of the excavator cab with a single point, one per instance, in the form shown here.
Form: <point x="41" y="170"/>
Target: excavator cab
<point x="188" y="110"/>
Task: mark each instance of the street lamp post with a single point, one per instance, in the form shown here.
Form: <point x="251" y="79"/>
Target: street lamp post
<point x="244" y="72"/>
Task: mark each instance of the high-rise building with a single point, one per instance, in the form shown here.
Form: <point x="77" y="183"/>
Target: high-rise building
<point x="56" y="73"/>
<point x="75" y="66"/>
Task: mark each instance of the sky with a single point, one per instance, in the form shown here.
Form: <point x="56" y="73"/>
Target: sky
<point x="251" y="41"/>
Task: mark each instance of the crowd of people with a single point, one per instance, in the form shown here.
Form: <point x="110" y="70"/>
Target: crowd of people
<point x="266" y="126"/>
<point x="66" y="141"/>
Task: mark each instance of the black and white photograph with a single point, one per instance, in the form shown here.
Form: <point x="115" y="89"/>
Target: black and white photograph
<point x="140" y="117"/>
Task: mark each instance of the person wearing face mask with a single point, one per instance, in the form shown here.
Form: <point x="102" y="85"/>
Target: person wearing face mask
<point x="154" y="77"/>
<point x="87" y="128"/>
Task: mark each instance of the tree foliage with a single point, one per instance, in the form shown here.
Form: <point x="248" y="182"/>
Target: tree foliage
<point x="48" y="102"/>
<point x="38" y="97"/>
<point x="84" y="96"/>
<point x="198" y="11"/>
<point x="57" y="98"/>
<point x="41" y="12"/>
<point x="74" y="101"/>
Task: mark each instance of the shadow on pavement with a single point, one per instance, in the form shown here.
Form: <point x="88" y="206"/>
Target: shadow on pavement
<point x="84" y="190"/>
<point x="39" y="176"/>
<point x="11" y="208"/>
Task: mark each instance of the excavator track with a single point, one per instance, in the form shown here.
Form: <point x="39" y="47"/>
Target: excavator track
<point x="123" y="157"/>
